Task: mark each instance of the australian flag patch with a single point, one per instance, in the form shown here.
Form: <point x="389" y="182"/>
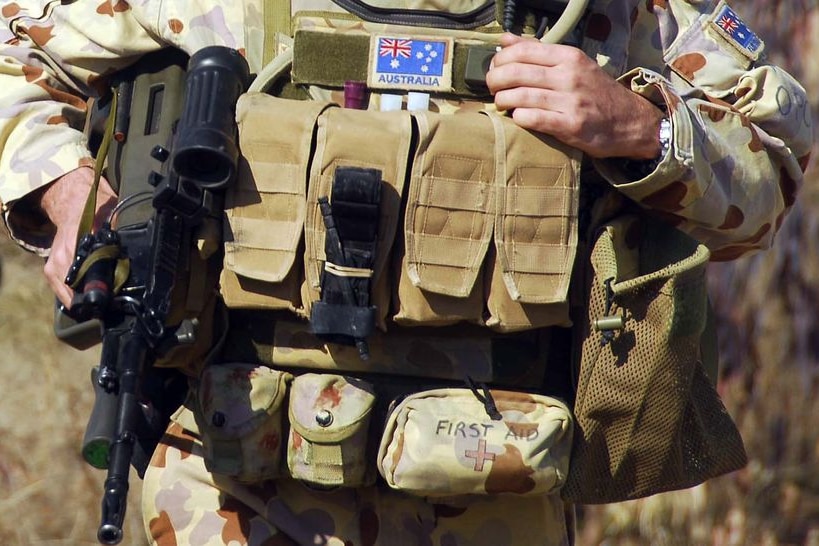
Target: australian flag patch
<point x="728" y="24"/>
<point x="411" y="63"/>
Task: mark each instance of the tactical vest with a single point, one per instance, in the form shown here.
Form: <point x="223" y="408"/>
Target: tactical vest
<point x="475" y="230"/>
<point x="421" y="247"/>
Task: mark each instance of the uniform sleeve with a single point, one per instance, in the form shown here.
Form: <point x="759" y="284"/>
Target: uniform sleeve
<point x="742" y="131"/>
<point x="53" y="58"/>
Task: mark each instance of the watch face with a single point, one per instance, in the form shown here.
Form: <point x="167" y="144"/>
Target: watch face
<point x="665" y="135"/>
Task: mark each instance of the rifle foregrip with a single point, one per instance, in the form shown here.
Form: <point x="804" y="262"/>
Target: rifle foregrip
<point x="99" y="431"/>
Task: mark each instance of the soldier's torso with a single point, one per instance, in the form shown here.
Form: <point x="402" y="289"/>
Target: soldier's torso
<point x="475" y="242"/>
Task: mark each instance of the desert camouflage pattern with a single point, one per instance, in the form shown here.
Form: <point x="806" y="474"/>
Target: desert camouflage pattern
<point x="741" y="139"/>
<point x="231" y="441"/>
<point x="445" y="442"/>
<point x="183" y="503"/>
<point x="240" y="408"/>
<point x="329" y="419"/>
<point x="742" y="131"/>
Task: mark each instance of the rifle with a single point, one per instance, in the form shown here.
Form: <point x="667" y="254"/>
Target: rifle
<point x="124" y="276"/>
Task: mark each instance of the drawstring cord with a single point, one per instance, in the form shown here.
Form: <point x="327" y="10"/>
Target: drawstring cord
<point x="485" y="398"/>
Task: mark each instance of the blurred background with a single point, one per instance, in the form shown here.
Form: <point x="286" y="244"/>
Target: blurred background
<point x="769" y="336"/>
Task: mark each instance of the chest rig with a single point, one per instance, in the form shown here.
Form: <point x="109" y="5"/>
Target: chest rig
<point x="367" y="234"/>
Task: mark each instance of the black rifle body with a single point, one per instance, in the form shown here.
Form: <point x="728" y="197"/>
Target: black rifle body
<point x="193" y="136"/>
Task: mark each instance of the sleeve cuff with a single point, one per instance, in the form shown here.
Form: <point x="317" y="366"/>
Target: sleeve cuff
<point x="677" y="160"/>
<point x="25" y="222"/>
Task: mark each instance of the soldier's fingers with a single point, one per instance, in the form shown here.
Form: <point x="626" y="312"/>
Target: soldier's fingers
<point x="64" y="294"/>
<point x="525" y="97"/>
<point x="55" y="276"/>
<point x="531" y="51"/>
<point x="507" y="39"/>
<point x="556" y="124"/>
<point x="536" y="119"/>
<point x="520" y="75"/>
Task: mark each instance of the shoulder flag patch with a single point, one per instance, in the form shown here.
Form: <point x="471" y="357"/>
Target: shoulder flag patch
<point x="728" y="24"/>
<point x="410" y="63"/>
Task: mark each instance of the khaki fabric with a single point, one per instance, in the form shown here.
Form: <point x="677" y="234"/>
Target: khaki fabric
<point x="329" y="426"/>
<point x="504" y="189"/>
<point x="448" y="221"/>
<point x="536" y="229"/>
<point x="420" y="352"/>
<point x="239" y="409"/>
<point x="444" y="442"/>
<point x="647" y="417"/>
<point x="266" y="207"/>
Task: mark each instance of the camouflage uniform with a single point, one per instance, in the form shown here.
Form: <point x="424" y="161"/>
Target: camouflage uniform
<point x="741" y="140"/>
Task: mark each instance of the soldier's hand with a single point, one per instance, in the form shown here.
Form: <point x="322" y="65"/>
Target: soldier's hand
<point x="63" y="202"/>
<point x="560" y="91"/>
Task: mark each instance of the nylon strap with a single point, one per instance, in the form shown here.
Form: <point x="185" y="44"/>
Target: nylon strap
<point x="276" y="21"/>
<point x="123" y="267"/>
<point x="89" y="212"/>
<point x="345" y="271"/>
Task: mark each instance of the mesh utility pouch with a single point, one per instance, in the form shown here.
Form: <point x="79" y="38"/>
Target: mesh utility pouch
<point x="239" y="414"/>
<point x="329" y="422"/>
<point x="444" y="442"/>
<point x="648" y="418"/>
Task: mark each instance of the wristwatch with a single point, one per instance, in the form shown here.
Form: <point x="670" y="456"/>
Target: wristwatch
<point x="637" y="169"/>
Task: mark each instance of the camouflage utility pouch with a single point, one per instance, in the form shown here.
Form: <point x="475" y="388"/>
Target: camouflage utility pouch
<point x="239" y="414"/>
<point x="648" y="417"/>
<point x="444" y="442"/>
<point x="329" y="420"/>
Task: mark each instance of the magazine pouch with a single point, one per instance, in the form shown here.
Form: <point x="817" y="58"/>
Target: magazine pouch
<point x="535" y="231"/>
<point x="266" y="207"/>
<point x="448" y="221"/>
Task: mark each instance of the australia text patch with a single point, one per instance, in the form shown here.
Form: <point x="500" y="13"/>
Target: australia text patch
<point x="728" y="25"/>
<point x="410" y="63"/>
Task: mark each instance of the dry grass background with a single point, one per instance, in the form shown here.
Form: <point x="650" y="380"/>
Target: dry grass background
<point x="769" y="336"/>
<point x="48" y="495"/>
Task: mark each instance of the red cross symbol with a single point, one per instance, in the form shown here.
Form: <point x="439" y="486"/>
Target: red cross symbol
<point x="480" y="456"/>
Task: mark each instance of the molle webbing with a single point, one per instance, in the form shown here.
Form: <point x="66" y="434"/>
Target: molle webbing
<point x="485" y="231"/>
<point x="523" y="359"/>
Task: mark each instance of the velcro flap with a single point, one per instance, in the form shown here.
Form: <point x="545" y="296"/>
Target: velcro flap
<point x="235" y="399"/>
<point x="329" y="408"/>
<point x="536" y="213"/>
<point x="449" y="214"/>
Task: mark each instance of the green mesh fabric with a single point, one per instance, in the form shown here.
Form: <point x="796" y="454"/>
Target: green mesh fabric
<point x="648" y="419"/>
